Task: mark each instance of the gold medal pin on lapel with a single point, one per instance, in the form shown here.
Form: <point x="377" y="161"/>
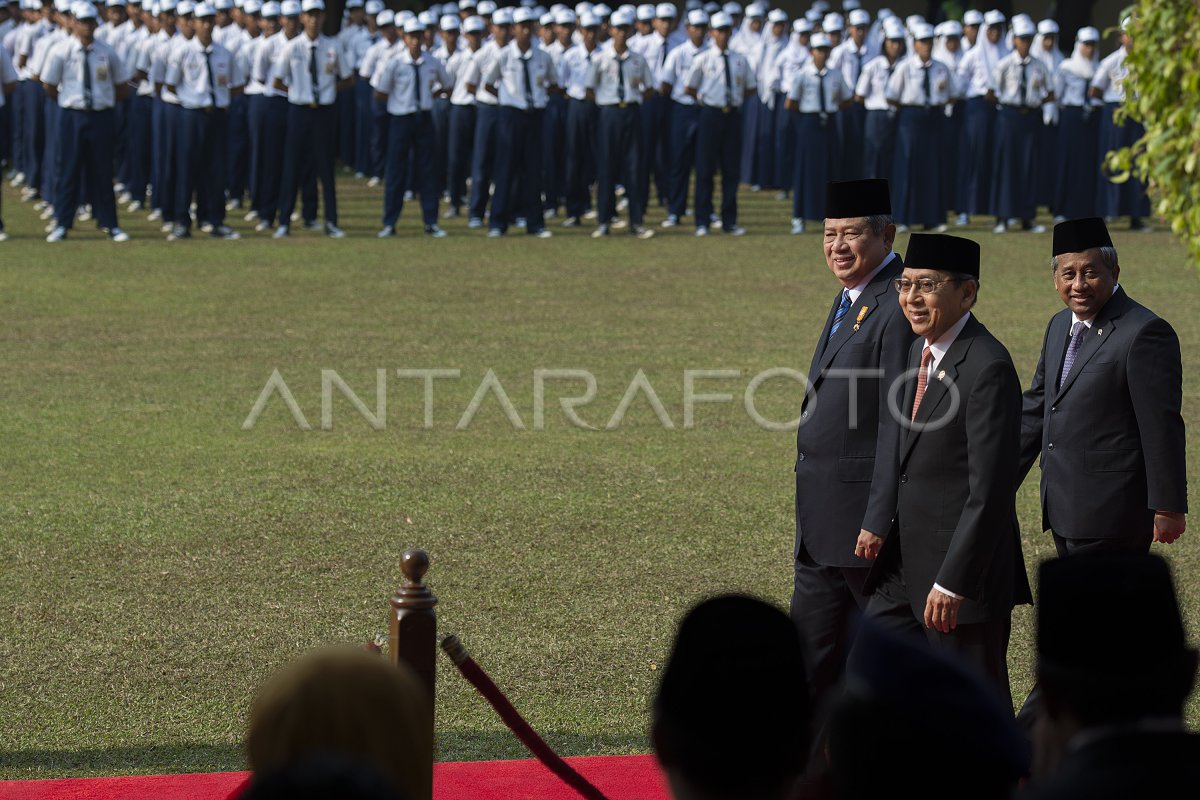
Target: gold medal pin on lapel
<point x="862" y="314"/>
<point x="942" y="375"/>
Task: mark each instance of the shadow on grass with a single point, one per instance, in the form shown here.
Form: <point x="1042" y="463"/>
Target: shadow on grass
<point x="178" y="759"/>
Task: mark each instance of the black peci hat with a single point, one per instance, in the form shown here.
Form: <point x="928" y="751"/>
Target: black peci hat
<point x="865" y="198"/>
<point x="943" y="253"/>
<point x="1077" y="235"/>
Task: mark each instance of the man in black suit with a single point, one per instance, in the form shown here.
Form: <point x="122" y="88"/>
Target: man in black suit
<point x="846" y="444"/>
<point x="952" y="564"/>
<point x="1103" y="411"/>
<point x="1115" y="671"/>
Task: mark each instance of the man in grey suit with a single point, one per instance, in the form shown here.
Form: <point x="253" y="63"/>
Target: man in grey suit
<point x="847" y="441"/>
<point x="1103" y="411"/>
<point x="951" y="565"/>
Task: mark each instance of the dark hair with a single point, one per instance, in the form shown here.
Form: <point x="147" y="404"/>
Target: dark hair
<point x="733" y="710"/>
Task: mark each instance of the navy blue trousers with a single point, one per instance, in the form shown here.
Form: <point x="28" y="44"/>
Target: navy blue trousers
<point x="85" y="145"/>
<point x="410" y="136"/>
<point x="441" y="137"/>
<point x="1014" y="171"/>
<point x="364" y="124"/>
<point x="51" y="152"/>
<point x="202" y="137"/>
<point x="814" y="159"/>
<point x="1075" y="162"/>
<point x="917" y="170"/>
<point x="137" y="158"/>
<point x="685" y="121"/>
<point x="344" y="131"/>
<point x="953" y="131"/>
<point x="975" y="158"/>
<point x="619" y="160"/>
<point x="166" y="141"/>
<point x="657" y="163"/>
<point x="482" y="158"/>
<point x="519" y="143"/>
<point x="785" y="142"/>
<point x="852" y="123"/>
<point x="1120" y="199"/>
<point x="554" y="179"/>
<point x="33" y="138"/>
<point x="879" y="143"/>
<point x="237" y="156"/>
<point x="458" y="152"/>
<point x="307" y="155"/>
<point x="718" y="147"/>
<point x="582" y="120"/>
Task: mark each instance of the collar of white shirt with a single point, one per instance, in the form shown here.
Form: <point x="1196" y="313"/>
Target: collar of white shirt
<point x="858" y="289"/>
<point x="943" y="343"/>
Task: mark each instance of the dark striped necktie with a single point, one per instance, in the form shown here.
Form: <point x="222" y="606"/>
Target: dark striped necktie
<point x="1077" y="331"/>
<point x="842" y="309"/>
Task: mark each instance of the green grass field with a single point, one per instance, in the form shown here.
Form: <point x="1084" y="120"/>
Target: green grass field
<point x="158" y="561"/>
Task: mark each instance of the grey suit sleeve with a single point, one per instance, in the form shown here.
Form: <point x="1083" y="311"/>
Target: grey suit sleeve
<point x="895" y="343"/>
<point x="1033" y="415"/>
<point x="993" y="421"/>
<point x="1155" y="373"/>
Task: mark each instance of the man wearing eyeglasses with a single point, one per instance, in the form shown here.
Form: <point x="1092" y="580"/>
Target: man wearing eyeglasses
<point x="951" y="565"/>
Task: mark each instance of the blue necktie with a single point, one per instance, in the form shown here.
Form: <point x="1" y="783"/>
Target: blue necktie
<point x="842" y="309"/>
<point x="1077" y="331"/>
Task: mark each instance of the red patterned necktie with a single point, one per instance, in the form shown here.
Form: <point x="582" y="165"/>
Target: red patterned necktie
<point x="922" y="379"/>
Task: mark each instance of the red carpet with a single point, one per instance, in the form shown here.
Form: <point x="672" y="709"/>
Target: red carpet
<point x="619" y="777"/>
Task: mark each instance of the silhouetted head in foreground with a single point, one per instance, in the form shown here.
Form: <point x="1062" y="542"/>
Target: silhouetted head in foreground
<point x="732" y="715"/>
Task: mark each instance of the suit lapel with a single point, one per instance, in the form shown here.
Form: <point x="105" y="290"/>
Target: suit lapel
<point x="1057" y="340"/>
<point x="937" y="391"/>
<point x="1101" y="331"/>
<point x="872" y="297"/>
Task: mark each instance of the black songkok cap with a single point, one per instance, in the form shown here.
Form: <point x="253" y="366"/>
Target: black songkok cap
<point x="1108" y="615"/>
<point x="1077" y="235"/>
<point x="866" y="198"/>
<point x="943" y="253"/>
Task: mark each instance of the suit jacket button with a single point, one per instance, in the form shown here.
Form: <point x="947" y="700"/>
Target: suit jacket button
<point x="800" y="457"/>
<point x="904" y="479"/>
<point x="1053" y="408"/>
<point x="1050" y="446"/>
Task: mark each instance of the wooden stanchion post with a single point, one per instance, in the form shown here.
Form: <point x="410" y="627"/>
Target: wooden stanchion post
<point x="412" y="632"/>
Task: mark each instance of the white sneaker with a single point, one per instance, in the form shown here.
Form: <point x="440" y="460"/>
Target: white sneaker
<point x="47" y="212"/>
<point x="373" y="183"/>
<point x="901" y="229"/>
<point x="1059" y="219"/>
<point x="167" y="227"/>
<point x="28" y="193"/>
<point x="155" y="215"/>
<point x="134" y="207"/>
<point x="715" y="224"/>
<point x="494" y="233"/>
<point x="251" y="216"/>
<point x="124" y="198"/>
<point x="3" y="236"/>
<point x="118" y="235"/>
<point x="797" y="227"/>
<point x="333" y="231"/>
<point x="570" y="222"/>
<point x="702" y="231"/>
<point x="521" y="222"/>
<point x="670" y="222"/>
<point x="600" y="232"/>
<point x="435" y="231"/>
<point x="474" y="222"/>
<point x="543" y="234"/>
<point x="590" y="215"/>
<point x="206" y="227"/>
<point x="85" y="214"/>
<point x="1036" y="229"/>
<point x="57" y="235"/>
<point x="755" y="188"/>
<point x="622" y="204"/>
<point x="618" y="224"/>
<point x="736" y="230"/>
<point x="262" y="225"/>
<point x="282" y="232"/>
<point x="408" y="197"/>
<point x="118" y="187"/>
<point x="938" y="229"/>
<point x="642" y="232"/>
<point x="1000" y="228"/>
<point x="387" y="232"/>
<point x="961" y="220"/>
<point x="295" y="216"/>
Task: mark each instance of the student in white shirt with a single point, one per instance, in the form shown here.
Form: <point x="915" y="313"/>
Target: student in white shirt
<point x="1108" y="84"/>
<point x="483" y="155"/>
<point x="619" y="80"/>
<point x="1077" y="147"/>
<point x="977" y="146"/>
<point x="409" y="79"/>
<point x="86" y="79"/>
<point x="523" y="78"/>
<point x="581" y="120"/>
<point x="849" y="58"/>
<point x="879" y="130"/>
<point x="205" y="77"/>
<point x="462" y="114"/>
<point x="685" y="113"/>
<point x="721" y="81"/>
<point x="312" y="69"/>
<point x="818" y="94"/>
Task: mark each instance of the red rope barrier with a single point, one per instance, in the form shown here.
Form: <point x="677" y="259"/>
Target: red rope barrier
<point x="515" y="722"/>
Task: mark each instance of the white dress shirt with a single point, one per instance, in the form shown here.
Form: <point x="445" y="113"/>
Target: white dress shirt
<point x="522" y="78"/>
<point x="872" y="84"/>
<point x="1021" y="82"/>
<point x="264" y="62"/>
<point x="850" y="59"/>
<point x="1071" y="84"/>
<point x="98" y="90"/>
<point x="456" y="71"/>
<point x="818" y="91"/>
<point x="397" y="78"/>
<point x="655" y="49"/>
<point x="715" y="88"/>
<point x="203" y="77"/>
<point x="8" y="72"/>
<point x="606" y="73"/>
<point x="481" y="63"/>
<point x="1110" y="77"/>
<point x="675" y="71"/>
<point x="921" y="83"/>
<point x="787" y="64"/>
<point x="294" y="67"/>
<point x="573" y="71"/>
<point x="976" y="68"/>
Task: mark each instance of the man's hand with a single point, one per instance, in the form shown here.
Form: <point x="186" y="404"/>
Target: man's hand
<point x="1168" y="526"/>
<point x="868" y="545"/>
<point x="941" y="611"/>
